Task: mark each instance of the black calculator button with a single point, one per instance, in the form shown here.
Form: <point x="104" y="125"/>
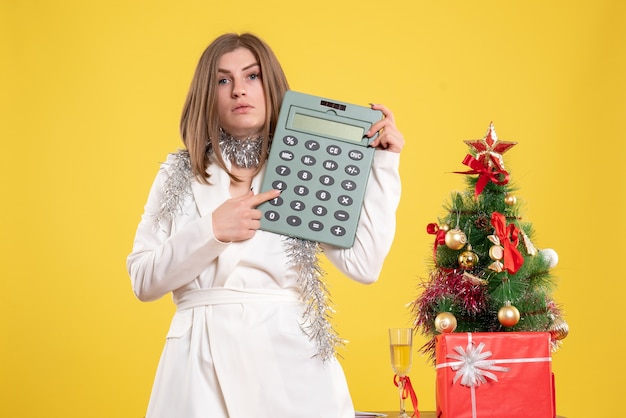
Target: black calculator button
<point x="271" y="215"/>
<point x="330" y="165"/>
<point x="305" y="175"/>
<point x="352" y="170"/>
<point x="355" y="155"/>
<point x="345" y="200"/>
<point x="348" y="185"/>
<point x="308" y="160"/>
<point x="338" y="231"/>
<point x="312" y="145"/>
<point x="290" y="140"/>
<point x="297" y="205"/>
<point x="319" y="210"/>
<point x="327" y="180"/>
<point x="279" y="185"/>
<point x="301" y="190"/>
<point x="333" y="150"/>
<point x="342" y="215"/>
<point x="283" y="170"/>
<point x="294" y="220"/>
<point x="286" y="155"/>
<point x="316" y="226"/>
<point x="323" y="195"/>
<point x="278" y="201"/>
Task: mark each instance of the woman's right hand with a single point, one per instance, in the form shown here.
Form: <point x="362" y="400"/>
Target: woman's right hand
<point x="237" y="219"/>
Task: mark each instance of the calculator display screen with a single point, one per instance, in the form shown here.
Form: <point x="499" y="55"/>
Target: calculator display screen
<point x="325" y="127"/>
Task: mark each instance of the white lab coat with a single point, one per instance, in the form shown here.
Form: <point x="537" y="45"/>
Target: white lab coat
<point x="235" y="347"/>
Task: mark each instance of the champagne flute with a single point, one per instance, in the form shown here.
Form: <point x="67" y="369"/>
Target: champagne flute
<point x="400" y="347"/>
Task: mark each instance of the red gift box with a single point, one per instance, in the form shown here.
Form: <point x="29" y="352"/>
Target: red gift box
<point x="495" y="375"/>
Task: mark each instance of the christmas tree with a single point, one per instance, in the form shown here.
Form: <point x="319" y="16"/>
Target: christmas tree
<point x="487" y="275"/>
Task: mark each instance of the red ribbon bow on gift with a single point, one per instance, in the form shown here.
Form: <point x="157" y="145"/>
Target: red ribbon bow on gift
<point x="407" y="390"/>
<point x="440" y="236"/>
<point x="509" y="238"/>
<point x="486" y="174"/>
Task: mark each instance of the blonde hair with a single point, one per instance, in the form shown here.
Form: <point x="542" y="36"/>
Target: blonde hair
<point x="199" y="122"/>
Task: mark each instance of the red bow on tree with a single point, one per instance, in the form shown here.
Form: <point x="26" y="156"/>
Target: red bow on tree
<point x="440" y="236"/>
<point x="486" y="174"/>
<point x="509" y="238"/>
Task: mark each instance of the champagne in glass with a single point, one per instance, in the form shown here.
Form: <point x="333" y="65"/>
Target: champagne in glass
<point x="401" y="351"/>
<point x="401" y="358"/>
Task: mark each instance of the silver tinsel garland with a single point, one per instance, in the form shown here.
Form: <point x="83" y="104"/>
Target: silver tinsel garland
<point x="303" y="254"/>
<point x="317" y="317"/>
<point x="244" y="153"/>
<point x="176" y="187"/>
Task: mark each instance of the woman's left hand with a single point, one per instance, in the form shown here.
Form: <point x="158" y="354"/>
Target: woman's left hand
<point x="389" y="137"/>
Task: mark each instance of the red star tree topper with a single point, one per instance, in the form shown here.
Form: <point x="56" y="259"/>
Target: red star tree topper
<point x="489" y="150"/>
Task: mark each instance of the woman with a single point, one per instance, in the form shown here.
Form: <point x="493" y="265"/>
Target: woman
<point x="236" y="346"/>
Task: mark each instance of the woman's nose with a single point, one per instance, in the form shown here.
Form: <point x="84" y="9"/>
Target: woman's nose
<point x="238" y="89"/>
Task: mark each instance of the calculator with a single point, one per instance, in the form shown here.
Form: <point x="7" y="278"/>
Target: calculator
<point x="320" y="159"/>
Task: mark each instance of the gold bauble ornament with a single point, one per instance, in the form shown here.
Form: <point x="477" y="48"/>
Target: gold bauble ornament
<point x="559" y="329"/>
<point x="445" y="322"/>
<point x="468" y="259"/>
<point x="508" y="315"/>
<point x="455" y="239"/>
<point x="510" y="200"/>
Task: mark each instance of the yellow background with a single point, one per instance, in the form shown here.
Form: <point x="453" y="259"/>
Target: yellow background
<point x="91" y="93"/>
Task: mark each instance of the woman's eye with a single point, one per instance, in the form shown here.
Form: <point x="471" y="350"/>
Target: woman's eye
<point x="255" y="76"/>
<point x="222" y="81"/>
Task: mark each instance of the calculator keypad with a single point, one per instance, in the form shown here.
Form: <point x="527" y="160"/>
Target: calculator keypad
<point x="322" y="182"/>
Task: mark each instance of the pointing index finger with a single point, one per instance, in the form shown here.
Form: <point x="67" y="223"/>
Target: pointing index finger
<point x="257" y="199"/>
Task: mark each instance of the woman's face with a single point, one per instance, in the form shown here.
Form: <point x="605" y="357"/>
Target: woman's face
<point x="240" y="95"/>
